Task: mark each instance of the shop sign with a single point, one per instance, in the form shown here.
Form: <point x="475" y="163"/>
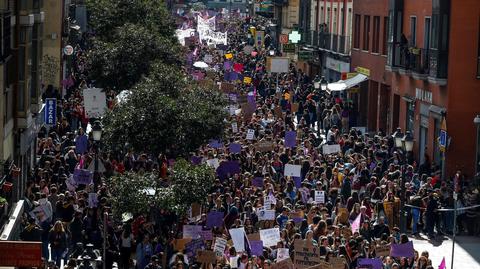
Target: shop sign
<point x="288" y="48"/>
<point x="363" y="70"/>
<point x="351" y="75"/>
<point x="337" y="65"/>
<point x="305" y="55"/>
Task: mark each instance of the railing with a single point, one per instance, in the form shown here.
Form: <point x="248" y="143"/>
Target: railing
<point x="414" y="59"/>
<point x="335" y="43"/>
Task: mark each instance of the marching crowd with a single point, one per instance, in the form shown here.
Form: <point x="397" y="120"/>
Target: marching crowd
<point x="298" y="169"/>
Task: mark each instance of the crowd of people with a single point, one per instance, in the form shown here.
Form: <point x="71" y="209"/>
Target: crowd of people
<point x="343" y="202"/>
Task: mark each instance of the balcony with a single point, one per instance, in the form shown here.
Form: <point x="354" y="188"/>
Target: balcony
<point x="334" y="43"/>
<point x="414" y="61"/>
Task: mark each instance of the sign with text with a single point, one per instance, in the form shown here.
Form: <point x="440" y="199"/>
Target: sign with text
<point x="270" y="237"/>
<point x="50" y="111"/>
<point x="95" y="102"/>
<point x="306" y="254"/>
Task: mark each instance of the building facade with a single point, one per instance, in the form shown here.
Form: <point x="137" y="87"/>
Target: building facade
<point x="423" y="70"/>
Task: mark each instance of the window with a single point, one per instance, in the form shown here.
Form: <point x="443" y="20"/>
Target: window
<point x="410" y="117"/>
<point x="327" y="22"/>
<point x="478" y="53"/>
<point x="322" y="16"/>
<point x="385" y="35"/>
<point x="376" y="34"/>
<point x="334" y="23"/>
<point x="434" y="43"/>
<point x="426" y="33"/>
<point x="8" y="105"/>
<point x="413" y="31"/>
<point x="356" y="32"/>
<point x="366" y="33"/>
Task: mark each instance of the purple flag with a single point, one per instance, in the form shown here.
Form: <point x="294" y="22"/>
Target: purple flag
<point x="215" y="144"/>
<point x="227" y="65"/>
<point x="402" y="250"/>
<point x="214" y="219"/>
<point x="375" y="263"/>
<point x="196" y="160"/>
<point x="235" y="148"/>
<point x="81" y="144"/>
<point x="298" y="182"/>
<point x="256" y="247"/>
<point x="290" y="139"/>
<point x="257" y="182"/>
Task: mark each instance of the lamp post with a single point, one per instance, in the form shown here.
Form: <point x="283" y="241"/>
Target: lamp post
<point x="324" y="85"/>
<point x="407" y="145"/>
<point x="97" y="136"/>
<point x="476" y="121"/>
<point x="316" y="83"/>
<point x="105" y="238"/>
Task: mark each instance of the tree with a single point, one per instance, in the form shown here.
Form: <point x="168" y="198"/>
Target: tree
<point x="156" y="118"/>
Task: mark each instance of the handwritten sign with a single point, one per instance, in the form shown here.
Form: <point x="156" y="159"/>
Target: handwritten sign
<point x="206" y="256"/>
<point x="331" y="149"/>
<point x="270" y="237"/>
<point x="306" y="254"/>
<point x="219" y="247"/>
<point x="82" y="176"/>
<point x="382" y="250"/>
<point x="319" y="197"/>
<point x="250" y="134"/>
<point x="292" y="170"/>
<point x="282" y="254"/>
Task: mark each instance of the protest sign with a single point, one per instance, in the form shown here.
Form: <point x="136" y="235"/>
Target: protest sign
<point x="402" y="250"/>
<point x="192" y="247"/>
<point x="268" y="201"/>
<point x="220" y="244"/>
<point x="257" y="182"/>
<point x="213" y="163"/>
<point x="238" y="238"/>
<point x="94" y="102"/>
<point x="306" y="254"/>
<point x="264" y="146"/>
<point x="206" y="235"/>
<point x="214" y="219"/>
<point x="235" y="148"/>
<point x="228" y="168"/>
<point x="82" y="176"/>
<point x="253" y="237"/>
<point x="270" y="237"/>
<point x="216" y="144"/>
<point x="250" y="134"/>
<point x="206" y="256"/>
<point x="292" y="170"/>
<point x="297" y="216"/>
<point x="266" y="214"/>
<point x="284" y="264"/>
<point x="234" y="127"/>
<point x="337" y="262"/>
<point x="290" y="139"/>
<point x="282" y="254"/>
<point x="234" y="262"/>
<point x="278" y="64"/>
<point x="256" y="247"/>
<point x="179" y="244"/>
<point x="192" y="231"/>
<point x="331" y="149"/>
<point x="92" y="199"/>
<point x="382" y="250"/>
<point x="319" y="197"/>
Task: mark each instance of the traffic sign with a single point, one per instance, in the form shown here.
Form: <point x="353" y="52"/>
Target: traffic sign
<point x="283" y="39"/>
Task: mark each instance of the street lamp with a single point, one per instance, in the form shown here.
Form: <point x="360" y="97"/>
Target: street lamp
<point x="97" y="131"/>
<point x="397" y="137"/>
<point x="407" y="145"/>
<point x="324" y="84"/>
<point x="316" y="83"/>
<point x="271" y="52"/>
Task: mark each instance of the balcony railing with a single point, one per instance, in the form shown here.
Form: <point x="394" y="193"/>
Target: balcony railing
<point x="334" y="43"/>
<point x="415" y="60"/>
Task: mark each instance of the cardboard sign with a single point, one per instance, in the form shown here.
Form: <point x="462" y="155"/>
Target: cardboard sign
<point x="292" y="170"/>
<point x="234" y="127"/>
<point x="250" y="134"/>
<point x="270" y="237"/>
<point x="382" y="250"/>
<point x="284" y="264"/>
<point x="282" y="254"/>
<point x="319" y="197"/>
<point x="220" y="244"/>
<point x="264" y="146"/>
<point x="331" y="149"/>
<point x="306" y="254"/>
<point x="337" y="262"/>
<point x="206" y="256"/>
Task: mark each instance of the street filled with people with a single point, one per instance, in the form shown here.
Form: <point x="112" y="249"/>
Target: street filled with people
<point x="298" y="185"/>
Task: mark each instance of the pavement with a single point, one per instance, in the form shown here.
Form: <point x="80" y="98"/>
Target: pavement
<point x="466" y="254"/>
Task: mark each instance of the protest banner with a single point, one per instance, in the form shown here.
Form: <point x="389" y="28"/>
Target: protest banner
<point x="382" y="250"/>
<point x="282" y="254"/>
<point x="290" y="139"/>
<point x="192" y="231"/>
<point x="256" y="247"/>
<point x="250" y="134"/>
<point x="402" y="250"/>
<point x="292" y="170"/>
<point x="192" y="247"/>
<point x="270" y="237"/>
<point x="257" y="182"/>
<point x="179" y="244"/>
<point x="82" y="176"/>
<point x="283" y="264"/>
<point x="319" y="197"/>
<point x="306" y="254"/>
<point x="331" y="149"/>
<point x="206" y="256"/>
<point x="220" y="244"/>
<point x="238" y="238"/>
<point x="337" y="262"/>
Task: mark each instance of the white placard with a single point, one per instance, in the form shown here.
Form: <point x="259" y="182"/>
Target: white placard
<point x="191" y="231"/>
<point x="238" y="238"/>
<point x="292" y="170"/>
<point x="282" y="254"/>
<point x="213" y="163"/>
<point x="250" y="134"/>
<point x="280" y="65"/>
<point x="95" y="102"/>
<point x="234" y="262"/>
<point x="269" y="200"/>
<point x="232" y="110"/>
<point x="182" y="34"/>
<point x="220" y="244"/>
<point x="266" y="214"/>
<point x="234" y="127"/>
<point x="331" y="149"/>
<point x="319" y="197"/>
<point x="270" y="237"/>
<point x="208" y="58"/>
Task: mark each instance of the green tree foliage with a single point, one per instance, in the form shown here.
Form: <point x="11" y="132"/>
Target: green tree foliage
<point x="134" y="193"/>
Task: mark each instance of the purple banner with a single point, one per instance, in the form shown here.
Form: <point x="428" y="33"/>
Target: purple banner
<point x="402" y="250"/>
<point x="235" y="148"/>
<point x="257" y="182"/>
<point x="375" y="263"/>
<point x="228" y="168"/>
<point x="298" y="182"/>
<point x="256" y="247"/>
<point x="214" y="219"/>
<point x="81" y="144"/>
<point x="82" y="176"/>
<point x="290" y="139"/>
<point x="215" y="144"/>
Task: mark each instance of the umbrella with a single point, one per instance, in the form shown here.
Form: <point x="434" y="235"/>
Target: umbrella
<point x="200" y="65"/>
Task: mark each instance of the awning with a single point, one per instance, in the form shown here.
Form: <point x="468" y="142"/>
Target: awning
<point x="342" y="85"/>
